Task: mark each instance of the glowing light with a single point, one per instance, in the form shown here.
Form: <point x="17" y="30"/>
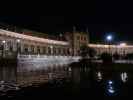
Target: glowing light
<point x="111" y="46"/>
<point x="4" y="41"/>
<point x="31" y="38"/>
<point x="99" y="75"/>
<point x="98" y="45"/>
<point x="110" y="82"/>
<point x="123" y="44"/>
<point x="106" y="46"/>
<point x="51" y="47"/>
<point x="111" y="91"/>
<point x="110" y="88"/>
<point x="124" y="77"/>
<point x="70" y="69"/>
<point x="18" y="40"/>
<point x="109" y="37"/>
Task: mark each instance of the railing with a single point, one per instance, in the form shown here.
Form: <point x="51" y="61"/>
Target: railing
<point x="116" y="61"/>
<point x="124" y="61"/>
<point x="47" y="56"/>
<point x="44" y="60"/>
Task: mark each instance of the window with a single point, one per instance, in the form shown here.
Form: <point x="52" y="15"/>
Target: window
<point x="68" y="51"/>
<point x="81" y="38"/>
<point x="32" y="48"/>
<point x="78" y="37"/>
<point x="38" y="49"/>
<point x="64" y="51"/>
<point x="54" y="50"/>
<point x="44" y="50"/>
<point x="49" y="50"/>
<point x="59" y="51"/>
<point x="11" y="48"/>
<point x="26" y="48"/>
<point x="85" y="38"/>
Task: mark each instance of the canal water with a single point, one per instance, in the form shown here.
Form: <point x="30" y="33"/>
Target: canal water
<point x="65" y="82"/>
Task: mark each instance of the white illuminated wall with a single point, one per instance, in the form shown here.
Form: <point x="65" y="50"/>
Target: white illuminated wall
<point x="42" y="62"/>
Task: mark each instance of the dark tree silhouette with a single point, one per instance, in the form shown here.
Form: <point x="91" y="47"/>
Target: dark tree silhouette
<point x="116" y="56"/>
<point x="129" y="56"/>
<point x="106" y="57"/>
<point x="86" y="52"/>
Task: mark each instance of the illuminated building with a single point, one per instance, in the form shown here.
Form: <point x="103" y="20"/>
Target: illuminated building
<point x="25" y="44"/>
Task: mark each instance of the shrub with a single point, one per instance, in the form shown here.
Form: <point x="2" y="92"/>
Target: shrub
<point x="116" y="56"/>
<point x="106" y="57"/>
<point x="129" y="56"/>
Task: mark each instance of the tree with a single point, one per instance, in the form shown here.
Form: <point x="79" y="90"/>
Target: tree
<point x="106" y="57"/>
<point x="92" y="52"/>
<point x="116" y="56"/>
<point x="86" y="52"/>
<point x="129" y="56"/>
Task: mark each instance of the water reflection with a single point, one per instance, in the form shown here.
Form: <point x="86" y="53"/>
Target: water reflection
<point x="27" y="74"/>
<point x="124" y="77"/>
<point x="99" y="76"/>
<point x="79" y="77"/>
<point x="110" y="88"/>
<point x="8" y="74"/>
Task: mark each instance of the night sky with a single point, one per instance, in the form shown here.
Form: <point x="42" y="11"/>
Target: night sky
<point x="103" y="19"/>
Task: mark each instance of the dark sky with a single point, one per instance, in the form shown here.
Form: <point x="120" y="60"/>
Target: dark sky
<point x="101" y="19"/>
<point x="50" y="24"/>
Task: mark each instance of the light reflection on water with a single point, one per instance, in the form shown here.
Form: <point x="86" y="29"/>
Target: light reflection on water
<point x="124" y="77"/>
<point x="112" y="84"/>
<point x="25" y="75"/>
<point x="110" y="88"/>
<point x="29" y="74"/>
<point x="99" y="76"/>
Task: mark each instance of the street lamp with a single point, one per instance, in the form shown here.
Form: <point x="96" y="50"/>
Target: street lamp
<point x="109" y="39"/>
<point x="3" y="41"/>
<point x="51" y="47"/>
<point x="18" y="46"/>
<point x="18" y="40"/>
<point x="3" y="48"/>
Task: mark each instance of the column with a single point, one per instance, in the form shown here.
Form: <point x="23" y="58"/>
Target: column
<point x="35" y="49"/>
<point x="41" y="49"/>
<point x="22" y="48"/>
<point x="57" y="52"/>
<point x="29" y="49"/>
<point x="44" y="50"/>
<point x="51" y="48"/>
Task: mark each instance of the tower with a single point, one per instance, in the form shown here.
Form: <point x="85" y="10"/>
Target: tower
<point x="76" y="40"/>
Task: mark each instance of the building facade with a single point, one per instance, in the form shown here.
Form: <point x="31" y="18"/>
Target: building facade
<point x="76" y="40"/>
<point x="112" y="49"/>
<point x="12" y="43"/>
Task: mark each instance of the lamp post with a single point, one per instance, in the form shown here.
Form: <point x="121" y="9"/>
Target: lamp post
<point x="3" y="48"/>
<point x="109" y="39"/>
<point x="18" y="46"/>
<point x="51" y="48"/>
